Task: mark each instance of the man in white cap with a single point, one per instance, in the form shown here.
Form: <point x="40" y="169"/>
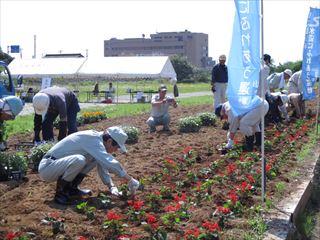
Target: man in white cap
<point x="278" y="80"/>
<point x="248" y="124"/>
<point x="160" y="110"/>
<point x="219" y="80"/>
<point x="48" y="104"/>
<point x="10" y="107"/>
<point x="72" y="158"/>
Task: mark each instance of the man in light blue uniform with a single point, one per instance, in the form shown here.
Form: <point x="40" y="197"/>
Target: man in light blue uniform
<point x="72" y="158"/>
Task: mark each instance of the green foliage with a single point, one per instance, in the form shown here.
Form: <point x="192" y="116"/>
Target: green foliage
<point x="201" y="75"/>
<point x="132" y="132"/>
<point x="86" y="209"/>
<point x="182" y="67"/>
<point x="37" y="154"/>
<point x="189" y="124"/>
<point x="18" y="162"/>
<point x="3" y="132"/>
<point x="207" y="119"/>
<point x="294" y="66"/>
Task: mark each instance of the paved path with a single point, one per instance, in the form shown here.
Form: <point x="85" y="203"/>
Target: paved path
<point x="28" y="109"/>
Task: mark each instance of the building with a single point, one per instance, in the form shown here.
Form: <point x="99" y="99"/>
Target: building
<point x="194" y="46"/>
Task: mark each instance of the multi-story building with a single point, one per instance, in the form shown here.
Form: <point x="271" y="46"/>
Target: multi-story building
<point x="194" y="46"/>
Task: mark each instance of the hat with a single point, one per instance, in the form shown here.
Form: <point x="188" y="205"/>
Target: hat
<point x="288" y="71"/>
<point x="284" y="98"/>
<point x="14" y="103"/>
<point x="41" y="103"/>
<point x="162" y="88"/>
<point x="217" y="111"/>
<point x="118" y="135"/>
<point x="222" y="57"/>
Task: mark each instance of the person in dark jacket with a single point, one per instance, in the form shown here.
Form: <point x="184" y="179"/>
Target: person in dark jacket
<point x="48" y="104"/>
<point x="219" y="81"/>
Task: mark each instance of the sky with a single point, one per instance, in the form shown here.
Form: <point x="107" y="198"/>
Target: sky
<point x="74" y="26"/>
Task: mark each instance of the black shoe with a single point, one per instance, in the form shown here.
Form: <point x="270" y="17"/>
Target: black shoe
<point x="258" y="139"/>
<point x="75" y="191"/>
<point x="249" y="144"/>
<point x="62" y="192"/>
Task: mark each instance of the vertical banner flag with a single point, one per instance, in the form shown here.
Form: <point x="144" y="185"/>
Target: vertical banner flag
<point x="311" y="54"/>
<point x="244" y="58"/>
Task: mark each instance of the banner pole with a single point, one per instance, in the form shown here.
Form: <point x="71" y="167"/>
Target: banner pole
<point x="263" y="161"/>
<point x="317" y="115"/>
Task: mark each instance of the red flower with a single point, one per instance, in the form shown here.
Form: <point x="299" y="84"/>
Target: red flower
<point x="187" y="150"/>
<point x="198" y="186"/>
<point x="81" y="238"/>
<point x="250" y="178"/>
<point x="231" y="168"/>
<point x="111" y="215"/>
<point x="212" y="227"/>
<point x="277" y="134"/>
<point x="183" y="197"/>
<point x="172" y="208"/>
<point x="54" y="215"/>
<point x="157" y="193"/>
<point x="192" y="232"/>
<point x="268" y="167"/>
<point x="223" y="210"/>
<point x="12" y="235"/>
<point x="151" y="219"/>
<point x="137" y="205"/>
<point x="233" y="197"/>
<point x="292" y="138"/>
<point x="304" y="128"/>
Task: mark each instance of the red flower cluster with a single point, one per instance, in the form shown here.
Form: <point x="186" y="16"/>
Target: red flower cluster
<point x="212" y="227"/>
<point x="268" y="167"/>
<point x="245" y="186"/>
<point x="182" y="198"/>
<point x="12" y="235"/>
<point x="250" y="178"/>
<point x="170" y="163"/>
<point x="152" y="221"/>
<point x="192" y="232"/>
<point x="111" y="215"/>
<point x="187" y="150"/>
<point x="137" y="205"/>
<point x="231" y="168"/>
<point x="81" y="238"/>
<point x="172" y="208"/>
<point x="233" y="196"/>
<point x="224" y="210"/>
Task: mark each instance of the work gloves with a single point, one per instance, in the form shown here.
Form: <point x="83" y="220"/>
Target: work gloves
<point x="114" y="191"/>
<point x="229" y="144"/>
<point x="133" y="186"/>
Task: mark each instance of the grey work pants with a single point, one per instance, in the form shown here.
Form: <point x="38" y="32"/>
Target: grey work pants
<point x="67" y="167"/>
<point x="219" y="94"/>
<point x="156" y="121"/>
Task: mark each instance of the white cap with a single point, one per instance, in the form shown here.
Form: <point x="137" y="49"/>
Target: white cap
<point x="288" y="71"/>
<point x="284" y="98"/>
<point x="222" y="57"/>
<point x="41" y="103"/>
<point x="117" y="134"/>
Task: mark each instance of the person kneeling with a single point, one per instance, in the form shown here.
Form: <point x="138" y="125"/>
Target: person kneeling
<point x="69" y="161"/>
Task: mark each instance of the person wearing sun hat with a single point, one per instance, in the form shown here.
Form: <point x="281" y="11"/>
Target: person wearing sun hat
<point x="160" y="110"/>
<point x="278" y="80"/>
<point x="48" y="104"/>
<point x="70" y="160"/>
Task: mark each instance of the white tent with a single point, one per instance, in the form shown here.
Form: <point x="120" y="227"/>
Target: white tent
<point x="108" y="67"/>
<point x="46" y="67"/>
<point x="129" y="68"/>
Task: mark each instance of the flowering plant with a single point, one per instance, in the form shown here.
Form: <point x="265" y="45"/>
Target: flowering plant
<point x="113" y="224"/>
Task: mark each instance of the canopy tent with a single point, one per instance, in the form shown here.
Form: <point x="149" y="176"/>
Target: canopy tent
<point x="46" y="67"/>
<point x="129" y="68"/>
<point x="107" y="67"/>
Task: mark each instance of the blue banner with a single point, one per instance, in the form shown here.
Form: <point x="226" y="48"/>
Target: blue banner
<point x="14" y="48"/>
<point x="311" y="54"/>
<point x="244" y="58"/>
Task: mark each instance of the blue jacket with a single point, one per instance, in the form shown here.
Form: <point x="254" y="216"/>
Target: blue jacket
<point x="219" y="73"/>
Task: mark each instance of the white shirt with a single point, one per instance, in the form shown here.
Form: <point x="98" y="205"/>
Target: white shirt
<point x="161" y="109"/>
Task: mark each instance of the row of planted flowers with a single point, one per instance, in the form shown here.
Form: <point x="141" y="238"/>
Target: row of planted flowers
<point x="226" y="187"/>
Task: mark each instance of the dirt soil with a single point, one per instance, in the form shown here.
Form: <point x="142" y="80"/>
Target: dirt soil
<point x="23" y="205"/>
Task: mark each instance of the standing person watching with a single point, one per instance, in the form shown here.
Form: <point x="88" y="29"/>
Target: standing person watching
<point x="48" y="104"/>
<point x="264" y="73"/>
<point x="160" y="110"/>
<point x="219" y="80"/>
<point x="71" y="159"/>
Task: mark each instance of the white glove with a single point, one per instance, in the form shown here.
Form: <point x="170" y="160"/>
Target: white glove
<point x="114" y="191"/>
<point x="229" y="144"/>
<point x="133" y="185"/>
<point x="39" y="143"/>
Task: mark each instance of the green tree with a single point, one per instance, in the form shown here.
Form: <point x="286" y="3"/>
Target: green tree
<point x="182" y="67"/>
<point x="201" y="75"/>
<point x="294" y="66"/>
